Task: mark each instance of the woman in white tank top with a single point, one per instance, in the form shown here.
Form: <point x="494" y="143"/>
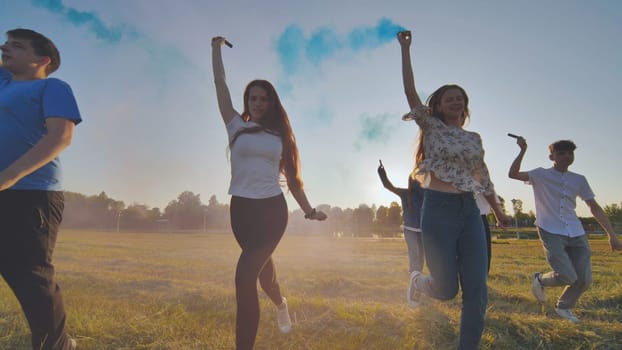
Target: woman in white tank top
<point x="263" y="148"/>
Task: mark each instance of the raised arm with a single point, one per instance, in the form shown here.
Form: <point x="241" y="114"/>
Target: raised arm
<point x="385" y="180"/>
<point x="222" y="91"/>
<point x="515" y="172"/>
<point x="408" y="78"/>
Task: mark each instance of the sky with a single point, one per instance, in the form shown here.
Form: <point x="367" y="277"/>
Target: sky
<point x="141" y="73"/>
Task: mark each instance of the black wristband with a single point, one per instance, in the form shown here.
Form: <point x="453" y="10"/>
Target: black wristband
<point x="310" y="214"/>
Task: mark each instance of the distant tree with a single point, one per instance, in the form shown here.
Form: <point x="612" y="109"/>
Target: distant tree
<point x="394" y="218"/>
<point x="517" y="205"/>
<point x="614" y="213"/>
<point x="95" y="212"/>
<point x="523" y="219"/>
<point x="531" y="219"/>
<point x="337" y="222"/>
<point x="217" y="215"/>
<point x="382" y="216"/>
<point x="388" y="219"/>
<point x="362" y="220"/>
<point x="502" y="204"/>
<point x="139" y="217"/>
<point x="186" y="212"/>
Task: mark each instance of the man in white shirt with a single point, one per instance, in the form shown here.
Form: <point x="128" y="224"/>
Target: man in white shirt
<point x="563" y="238"/>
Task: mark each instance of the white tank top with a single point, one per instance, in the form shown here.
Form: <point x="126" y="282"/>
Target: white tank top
<point x="255" y="159"/>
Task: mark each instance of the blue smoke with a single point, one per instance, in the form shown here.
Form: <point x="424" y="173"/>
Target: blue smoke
<point x="376" y="129"/>
<point x="290" y="46"/>
<point x="162" y="59"/>
<point x="370" y="38"/>
<point x="80" y="19"/>
<point x="324" y="43"/>
<point x="55" y="6"/>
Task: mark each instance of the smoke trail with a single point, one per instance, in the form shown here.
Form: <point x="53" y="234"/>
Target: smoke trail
<point x="290" y="46"/>
<point x="294" y="50"/>
<point x="162" y="58"/>
<point x="365" y="37"/>
<point x="374" y="129"/>
<point x="83" y="19"/>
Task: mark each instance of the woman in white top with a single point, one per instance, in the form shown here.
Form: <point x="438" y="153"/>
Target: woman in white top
<point x="263" y="148"/>
<point x="450" y="165"/>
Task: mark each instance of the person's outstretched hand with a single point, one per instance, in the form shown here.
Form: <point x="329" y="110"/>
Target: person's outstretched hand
<point x="503" y="220"/>
<point x="318" y="215"/>
<point x="381" y="171"/>
<point x="615" y="244"/>
<point x="404" y="37"/>
<point x="522" y="143"/>
<point x="218" y="41"/>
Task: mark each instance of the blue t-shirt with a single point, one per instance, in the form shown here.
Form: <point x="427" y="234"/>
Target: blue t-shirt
<point x="24" y="107"/>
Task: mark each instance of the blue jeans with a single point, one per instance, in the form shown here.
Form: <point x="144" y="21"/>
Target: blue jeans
<point x="455" y="251"/>
<point x="414" y="242"/>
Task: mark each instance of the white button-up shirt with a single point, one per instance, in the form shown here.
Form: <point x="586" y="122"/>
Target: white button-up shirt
<point x="555" y="194"/>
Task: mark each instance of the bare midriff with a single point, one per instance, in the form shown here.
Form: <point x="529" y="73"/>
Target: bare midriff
<point x="437" y="184"/>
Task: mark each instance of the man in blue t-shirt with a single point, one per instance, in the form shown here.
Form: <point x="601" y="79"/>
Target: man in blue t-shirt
<point x="37" y="118"/>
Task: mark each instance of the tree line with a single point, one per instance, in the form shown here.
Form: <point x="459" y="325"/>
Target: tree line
<point x="188" y="213"/>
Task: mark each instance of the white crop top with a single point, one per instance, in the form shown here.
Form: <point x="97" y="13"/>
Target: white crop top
<point x="255" y="159"/>
<point x="454" y="155"/>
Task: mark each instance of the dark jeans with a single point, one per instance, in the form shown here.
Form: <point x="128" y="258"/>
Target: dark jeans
<point x="29" y="222"/>
<point x="258" y="225"/>
<point x="488" y="239"/>
<point x="455" y="251"/>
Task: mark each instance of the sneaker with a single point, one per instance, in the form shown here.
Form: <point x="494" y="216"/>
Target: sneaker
<point x="567" y="314"/>
<point x="72" y="344"/>
<point x="413" y="294"/>
<point x="537" y="288"/>
<point x="282" y="317"/>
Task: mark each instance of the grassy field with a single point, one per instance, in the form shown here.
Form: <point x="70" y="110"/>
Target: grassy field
<point x="176" y="291"/>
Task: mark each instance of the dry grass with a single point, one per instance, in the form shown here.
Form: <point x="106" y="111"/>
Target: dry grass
<point x="175" y="291"/>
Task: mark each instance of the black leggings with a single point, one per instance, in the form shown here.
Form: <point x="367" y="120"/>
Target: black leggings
<point x="258" y="225"/>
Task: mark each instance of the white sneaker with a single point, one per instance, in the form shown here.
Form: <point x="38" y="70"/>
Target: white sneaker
<point x="413" y="294"/>
<point x="282" y="317"/>
<point x="73" y="344"/>
<point x="537" y="288"/>
<point x="567" y="314"/>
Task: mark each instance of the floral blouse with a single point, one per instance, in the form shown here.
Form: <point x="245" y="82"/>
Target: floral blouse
<point x="454" y="155"/>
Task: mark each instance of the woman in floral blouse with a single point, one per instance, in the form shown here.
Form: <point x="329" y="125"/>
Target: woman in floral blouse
<point x="450" y="165"/>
